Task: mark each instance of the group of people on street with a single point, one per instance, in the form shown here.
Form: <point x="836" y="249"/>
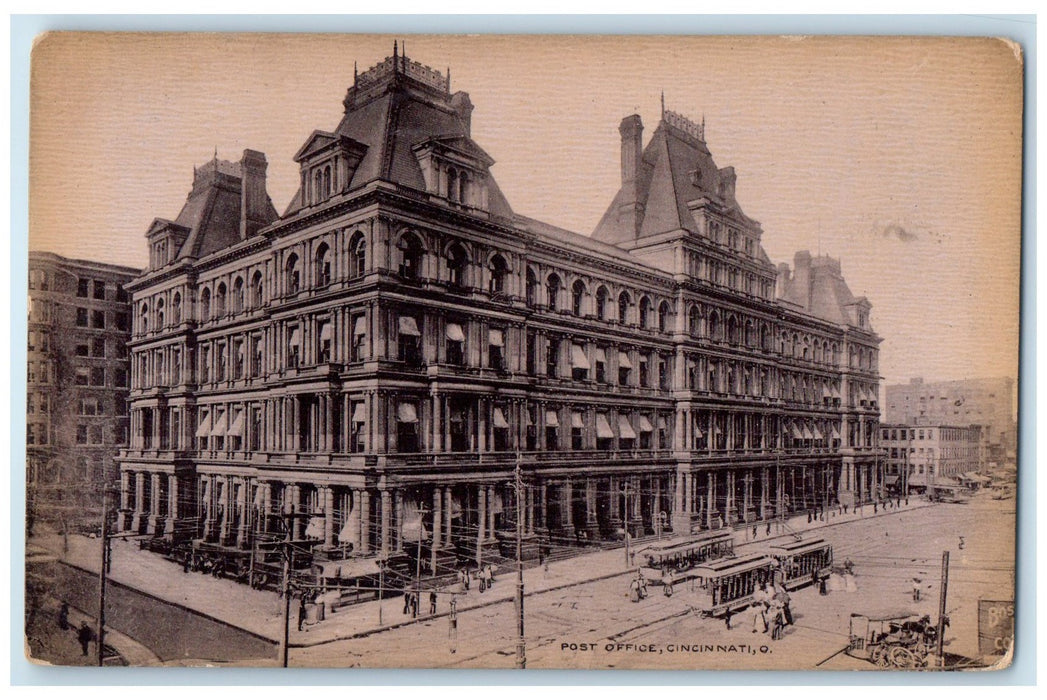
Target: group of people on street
<point x="84" y="634"/>
<point x="771" y="609"/>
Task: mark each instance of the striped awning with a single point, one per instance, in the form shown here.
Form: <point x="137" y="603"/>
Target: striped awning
<point x="623" y="360"/>
<point x="625" y="429"/>
<point x="603" y="426"/>
<point x="408" y="326"/>
<point x="578" y="358"/>
<point x="499" y="418"/>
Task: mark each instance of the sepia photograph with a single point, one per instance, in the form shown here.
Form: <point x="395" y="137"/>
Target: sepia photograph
<point x="523" y="351"/>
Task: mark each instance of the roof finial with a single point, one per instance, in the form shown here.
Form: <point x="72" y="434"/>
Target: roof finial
<point x="663" y="103"/>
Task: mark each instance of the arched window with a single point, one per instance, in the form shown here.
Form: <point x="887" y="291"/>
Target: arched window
<point x="327" y="181"/>
<point x="357" y="255"/>
<point x="694" y="321"/>
<point x="532" y="288"/>
<point x="176" y="308"/>
<point x="452" y="184"/>
<point x="750" y="335"/>
<point x="410" y="256"/>
<point x="457" y="266"/>
<point x="463" y="188"/>
<point x="795" y="346"/>
<point x="160" y="314"/>
<point x="732" y="330"/>
<point x="318" y="184"/>
<point x="623" y="308"/>
<point x="663" y="316"/>
<point x="499" y="273"/>
<point x="765" y="337"/>
<point x="205" y="304"/>
<point x="578" y="298"/>
<point x="645" y="312"/>
<point x="552" y="291"/>
<point x="715" y="329"/>
<point x="293" y="274"/>
<point x="143" y="319"/>
<point x="601" y="303"/>
<point x="323" y="266"/>
<point x="257" y="291"/>
<point x="238" y="295"/>
<point x="219" y="300"/>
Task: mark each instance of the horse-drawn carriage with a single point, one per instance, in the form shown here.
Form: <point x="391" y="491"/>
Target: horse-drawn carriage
<point x="893" y="639"/>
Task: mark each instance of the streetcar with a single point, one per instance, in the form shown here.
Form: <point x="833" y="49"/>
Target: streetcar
<point x="726" y="585"/>
<point x="799" y="563"/>
<point x="671" y="562"/>
<point x="948" y="493"/>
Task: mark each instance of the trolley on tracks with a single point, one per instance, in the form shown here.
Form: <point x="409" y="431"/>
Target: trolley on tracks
<point x="799" y="563"/>
<point x="673" y="561"/>
<point x="727" y="585"/>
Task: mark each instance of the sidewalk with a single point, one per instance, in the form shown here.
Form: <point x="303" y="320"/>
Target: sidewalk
<point x="260" y="612"/>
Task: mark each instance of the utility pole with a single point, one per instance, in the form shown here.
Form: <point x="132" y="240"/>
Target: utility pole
<point x="286" y="586"/>
<point x="625" y="513"/>
<point x="103" y="573"/>
<point x="941" y="608"/>
<point x="521" y="648"/>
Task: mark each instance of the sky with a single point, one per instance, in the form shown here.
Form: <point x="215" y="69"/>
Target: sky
<point x="899" y="156"/>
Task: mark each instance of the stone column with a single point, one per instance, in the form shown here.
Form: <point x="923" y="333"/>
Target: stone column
<point x="730" y="517"/>
<point x="566" y="512"/>
<point x="329" y="533"/>
<point x="139" y="511"/>
<point x="438" y="433"/>
<point x="225" y="502"/>
<point x="656" y="505"/>
<point x="710" y="485"/>
<point x="365" y="521"/>
<point x="154" y="503"/>
<point x="764" y="477"/>
<point x="591" y="520"/>
<point x="356" y="520"/>
<point x="490" y="511"/>
<point x="125" y="500"/>
<point x="437" y="519"/>
<point x="243" y="503"/>
<point x="481" y="494"/>
<point x="387" y="530"/>
<point x="398" y="510"/>
<point x="543" y="504"/>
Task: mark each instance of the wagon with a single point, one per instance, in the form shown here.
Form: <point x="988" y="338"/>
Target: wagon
<point x="892" y="639"/>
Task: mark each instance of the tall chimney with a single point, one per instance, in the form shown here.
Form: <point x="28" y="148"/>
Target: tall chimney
<point x="253" y="197"/>
<point x="461" y="104"/>
<point x="802" y="276"/>
<point x="631" y="130"/>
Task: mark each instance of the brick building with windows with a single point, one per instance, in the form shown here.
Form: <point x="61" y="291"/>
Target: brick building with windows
<point x="382" y="353"/>
<point x="77" y="383"/>
<point x="918" y="456"/>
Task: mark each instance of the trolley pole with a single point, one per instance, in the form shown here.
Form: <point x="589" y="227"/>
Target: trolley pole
<point x="103" y="574"/>
<point x="941" y="608"/>
<point x="286" y="586"/>
<point x="521" y="646"/>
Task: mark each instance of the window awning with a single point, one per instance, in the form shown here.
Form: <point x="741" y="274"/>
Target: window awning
<point x="204" y="429"/>
<point x="662" y="423"/>
<point x="296" y="337"/>
<point x="496" y="337"/>
<point x="551" y="421"/>
<point x="603" y="427"/>
<point x="406" y="413"/>
<point x="797" y="433"/>
<point x="601" y="355"/>
<point x="237" y="428"/>
<point x="499" y="418"/>
<point x="454" y="333"/>
<point x="623" y="360"/>
<point x="325" y="331"/>
<point x="818" y="434"/>
<point x="645" y="425"/>
<point x="576" y="420"/>
<point x="807" y="433"/>
<point x="360" y="326"/>
<point x="578" y="358"/>
<point x="836" y="432"/>
<point x="220" y="424"/>
<point x="408" y="326"/>
<point x="360" y="413"/>
<point x="625" y="429"/>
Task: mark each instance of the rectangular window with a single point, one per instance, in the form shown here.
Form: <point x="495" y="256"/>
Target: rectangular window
<point x="82" y="286"/>
<point x="82" y="350"/>
<point x="94" y="435"/>
<point x="121" y="322"/>
<point x="97" y="318"/>
<point x="89" y="406"/>
<point x="81" y="435"/>
<point x="220" y="362"/>
<point x="577" y="426"/>
<point x="98" y="347"/>
<point x="579" y="363"/>
<point x="294" y="343"/>
<point x="358" y="351"/>
<point x="121" y="294"/>
<point x="358" y="427"/>
<point x="98" y="376"/>
<point x="408" y="344"/>
<point x="256" y="356"/>
<point x="600" y="370"/>
<point x="495" y="349"/>
<point x="552" y="358"/>
<point x="531" y="354"/>
<point x="83" y="376"/>
<point x="455" y="339"/>
<point x="407" y="428"/>
<point x="99" y="289"/>
<point x="624" y="366"/>
<point x="119" y="377"/>
<point x="81" y="317"/>
<point x="323" y="348"/>
<point x="643" y="372"/>
<point x="663" y="374"/>
<point x="552" y="430"/>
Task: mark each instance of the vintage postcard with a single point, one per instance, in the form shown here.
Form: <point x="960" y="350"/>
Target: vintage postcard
<point x="552" y="352"/>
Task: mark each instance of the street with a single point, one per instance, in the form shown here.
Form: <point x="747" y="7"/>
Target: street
<point x="595" y="626"/>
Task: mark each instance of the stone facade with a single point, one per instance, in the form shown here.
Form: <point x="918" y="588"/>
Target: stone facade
<point x="385" y="353"/>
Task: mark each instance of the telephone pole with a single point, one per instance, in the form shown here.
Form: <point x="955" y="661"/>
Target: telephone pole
<point x="103" y="574"/>
<point x="941" y="608"/>
<point x="286" y="585"/>
<point x="521" y="648"/>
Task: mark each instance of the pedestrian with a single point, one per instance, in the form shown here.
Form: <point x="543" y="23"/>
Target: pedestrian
<point x="465" y="577"/>
<point x="63" y="617"/>
<point x="186" y="560"/>
<point x="727" y="617"/>
<point x="432" y="602"/>
<point x="85" y="635"/>
<point x="414" y="605"/>
<point x="768" y="529"/>
<point x="754" y="532"/>
<point x="845" y="505"/>
<point x="777" y="620"/>
<point x="761" y="600"/>
<point x="783" y="597"/>
<point x="301" y="611"/>
<point x="808" y="517"/>
<point x="407" y="602"/>
<point x="452" y="626"/>
<point x="490" y="576"/>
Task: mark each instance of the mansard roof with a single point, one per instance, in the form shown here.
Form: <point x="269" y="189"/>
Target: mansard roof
<point x="676" y="168"/>
<point x="816" y="284"/>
